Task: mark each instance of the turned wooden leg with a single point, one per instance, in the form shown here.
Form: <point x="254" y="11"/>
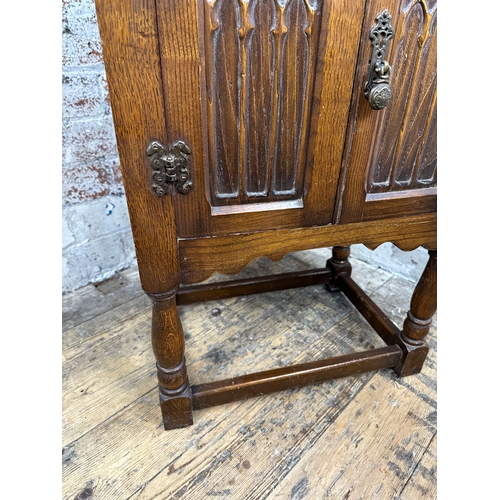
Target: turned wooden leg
<point x="338" y="263"/>
<point x="168" y="348"/>
<point x="418" y="321"/>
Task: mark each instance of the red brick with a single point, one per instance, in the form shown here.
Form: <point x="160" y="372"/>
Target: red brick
<point x="82" y="95"/>
<point x="88" y="140"/>
<point x="86" y="182"/>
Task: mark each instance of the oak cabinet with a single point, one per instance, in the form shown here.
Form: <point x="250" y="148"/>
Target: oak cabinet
<point x="389" y="165"/>
<point x="251" y="128"/>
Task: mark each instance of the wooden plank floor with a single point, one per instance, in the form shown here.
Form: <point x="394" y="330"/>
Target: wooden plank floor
<point x="368" y="436"/>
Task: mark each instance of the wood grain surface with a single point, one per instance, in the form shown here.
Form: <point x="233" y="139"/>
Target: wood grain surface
<point x="230" y="85"/>
<point x="394" y="150"/>
<point x="268" y="96"/>
<point x="200" y="258"/>
<point x="372" y="435"/>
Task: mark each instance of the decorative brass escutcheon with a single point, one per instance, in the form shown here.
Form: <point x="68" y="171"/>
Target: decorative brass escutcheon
<point x="170" y="167"/>
<point x="377" y="89"/>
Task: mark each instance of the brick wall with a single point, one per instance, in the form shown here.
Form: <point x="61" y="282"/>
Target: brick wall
<point x="96" y="230"/>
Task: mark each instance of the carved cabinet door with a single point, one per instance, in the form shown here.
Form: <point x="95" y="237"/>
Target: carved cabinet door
<point x="259" y="91"/>
<point x="389" y="164"/>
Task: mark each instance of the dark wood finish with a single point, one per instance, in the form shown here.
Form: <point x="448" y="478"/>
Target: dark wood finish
<point x="421" y="201"/>
<point x="212" y="87"/>
<point x="423" y="304"/>
<point x="416" y="326"/>
<point x="257" y="126"/>
<point x="408" y="160"/>
<point x="139" y="117"/>
<point x="167" y="339"/>
<point x="230" y="254"/>
<point x="129" y="39"/>
<point x="258" y="384"/>
<point x="189" y="294"/>
<point x="286" y="155"/>
<point x="393" y="151"/>
<point x="338" y="264"/>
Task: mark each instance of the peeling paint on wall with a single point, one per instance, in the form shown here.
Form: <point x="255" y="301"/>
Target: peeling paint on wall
<point x="97" y="239"/>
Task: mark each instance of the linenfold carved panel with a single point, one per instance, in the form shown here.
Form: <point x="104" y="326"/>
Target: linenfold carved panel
<point x="259" y="68"/>
<point x="404" y="152"/>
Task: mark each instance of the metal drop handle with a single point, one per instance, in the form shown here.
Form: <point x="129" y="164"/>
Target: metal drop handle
<point x="377" y="89"/>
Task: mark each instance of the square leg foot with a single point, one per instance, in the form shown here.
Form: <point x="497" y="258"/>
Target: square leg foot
<point x="413" y="357"/>
<point x="177" y="411"/>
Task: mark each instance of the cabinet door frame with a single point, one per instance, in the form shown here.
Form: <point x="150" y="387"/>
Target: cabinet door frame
<point x="355" y="203"/>
<point x="181" y="51"/>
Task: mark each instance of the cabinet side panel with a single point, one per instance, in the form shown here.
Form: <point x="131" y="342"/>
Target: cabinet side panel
<point x="130" y="44"/>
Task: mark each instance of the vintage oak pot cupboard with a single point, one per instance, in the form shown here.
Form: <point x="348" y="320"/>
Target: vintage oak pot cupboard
<point x="251" y="128"/>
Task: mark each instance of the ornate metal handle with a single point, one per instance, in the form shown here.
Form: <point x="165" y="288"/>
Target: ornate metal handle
<point x="377" y="89"/>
